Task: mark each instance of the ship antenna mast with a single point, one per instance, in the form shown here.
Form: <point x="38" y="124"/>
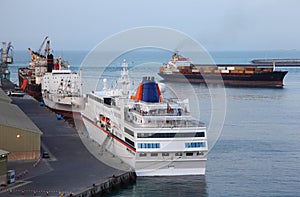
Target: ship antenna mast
<point x="124" y="80"/>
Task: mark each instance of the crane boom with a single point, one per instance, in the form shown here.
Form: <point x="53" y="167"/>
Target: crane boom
<point x="47" y="48"/>
<point x="40" y="49"/>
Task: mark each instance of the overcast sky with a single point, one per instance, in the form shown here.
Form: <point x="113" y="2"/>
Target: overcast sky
<point x="216" y="24"/>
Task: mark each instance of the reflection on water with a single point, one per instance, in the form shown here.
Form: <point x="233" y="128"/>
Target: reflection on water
<point x="165" y="186"/>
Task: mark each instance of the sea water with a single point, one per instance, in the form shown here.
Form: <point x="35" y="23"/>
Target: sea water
<point x="258" y="151"/>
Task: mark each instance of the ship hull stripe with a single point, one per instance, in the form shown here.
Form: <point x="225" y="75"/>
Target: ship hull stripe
<point x="112" y="135"/>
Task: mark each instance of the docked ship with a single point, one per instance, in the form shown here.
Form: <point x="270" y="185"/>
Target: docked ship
<point x="62" y="90"/>
<point x="180" y="69"/>
<point x="156" y="136"/>
<point x="30" y="76"/>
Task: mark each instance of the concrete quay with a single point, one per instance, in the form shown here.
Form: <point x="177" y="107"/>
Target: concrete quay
<point x="71" y="170"/>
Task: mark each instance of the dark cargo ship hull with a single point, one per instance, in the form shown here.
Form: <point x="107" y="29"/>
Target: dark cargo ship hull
<point x="267" y="79"/>
<point x="32" y="89"/>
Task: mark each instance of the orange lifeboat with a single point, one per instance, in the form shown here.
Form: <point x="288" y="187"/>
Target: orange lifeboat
<point x="24" y="84"/>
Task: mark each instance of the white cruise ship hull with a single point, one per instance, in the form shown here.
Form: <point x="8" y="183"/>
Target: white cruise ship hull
<point x="111" y="143"/>
<point x="171" y="165"/>
<point x="170" y="168"/>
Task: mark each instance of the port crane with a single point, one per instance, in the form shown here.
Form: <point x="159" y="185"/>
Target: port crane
<point x="6" y="53"/>
<point x="40" y="49"/>
<point x="6" y="58"/>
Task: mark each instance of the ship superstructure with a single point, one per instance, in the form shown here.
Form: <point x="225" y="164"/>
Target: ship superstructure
<point x="62" y="90"/>
<point x="156" y="136"/>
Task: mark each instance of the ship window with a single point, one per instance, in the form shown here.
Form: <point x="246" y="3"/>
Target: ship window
<point x="165" y="154"/>
<point x="129" y="141"/>
<point x="143" y="154"/>
<point x="154" y="154"/>
<point x="195" y="144"/>
<point x="189" y="154"/>
<point x="95" y="98"/>
<point x="107" y="101"/>
<point x="148" y="145"/>
<point x="128" y="131"/>
<point x="200" y="134"/>
<point x="178" y="154"/>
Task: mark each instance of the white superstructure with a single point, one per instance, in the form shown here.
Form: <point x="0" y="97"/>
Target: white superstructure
<point x="154" y="135"/>
<point x="62" y="91"/>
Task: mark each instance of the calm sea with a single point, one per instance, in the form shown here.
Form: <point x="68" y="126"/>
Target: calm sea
<point x="258" y="151"/>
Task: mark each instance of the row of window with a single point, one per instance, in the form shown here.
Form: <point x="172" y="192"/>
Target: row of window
<point x="189" y="154"/>
<point x="187" y="145"/>
<point x="195" y="144"/>
<point x="95" y="98"/>
<point x="170" y="135"/>
<point x="108" y="100"/>
<point x="148" y="145"/>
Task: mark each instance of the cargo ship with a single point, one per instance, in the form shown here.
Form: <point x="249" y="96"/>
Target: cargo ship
<point x="30" y="77"/>
<point x="62" y="91"/>
<point x="156" y="136"/>
<point x="180" y="69"/>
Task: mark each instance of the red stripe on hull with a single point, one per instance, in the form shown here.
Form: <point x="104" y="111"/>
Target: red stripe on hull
<point x="108" y="133"/>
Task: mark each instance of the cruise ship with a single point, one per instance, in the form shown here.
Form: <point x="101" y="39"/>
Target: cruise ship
<point x="156" y="136"/>
<point x="62" y="91"/>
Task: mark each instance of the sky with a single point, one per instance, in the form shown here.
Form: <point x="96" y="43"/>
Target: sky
<point x="222" y="25"/>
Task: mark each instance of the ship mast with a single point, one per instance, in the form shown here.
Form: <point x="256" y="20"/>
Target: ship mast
<point x="124" y="80"/>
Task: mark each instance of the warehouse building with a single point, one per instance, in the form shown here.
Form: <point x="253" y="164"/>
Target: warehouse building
<point x="18" y="134"/>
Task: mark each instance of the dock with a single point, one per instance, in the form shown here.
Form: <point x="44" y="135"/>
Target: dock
<point x="278" y="62"/>
<point x="71" y="169"/>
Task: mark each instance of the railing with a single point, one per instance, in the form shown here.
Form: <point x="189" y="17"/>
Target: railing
<point x="165" y="124"/>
